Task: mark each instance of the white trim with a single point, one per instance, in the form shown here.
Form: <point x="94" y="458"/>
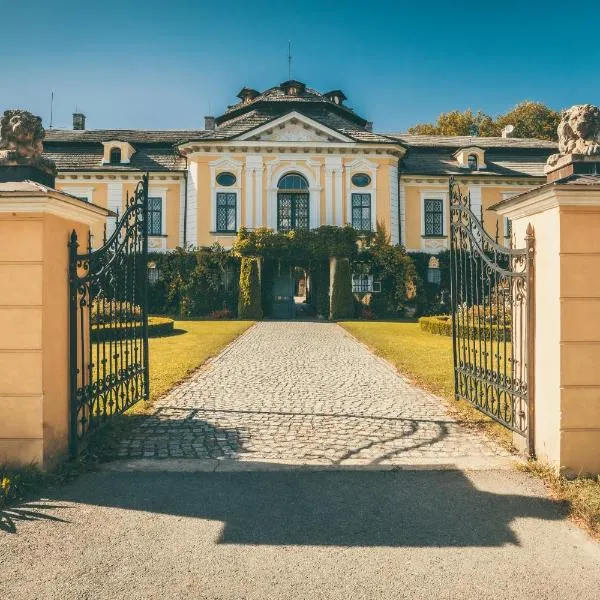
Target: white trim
<point x="87" y="191"/>
<point x="293" y="117"/>
<point x="361" y="165"/>
<point x="434" y="244"/>
<point x="225" y="164"/>
<point x="254" y="168"/>
<point x="333" y="177"/>
<point x="181" y="214"/>
<point x="160" y="192"/>
<point x="394" y="211"/>
<point x="311" y="170"/>
<point x="114" y="200"/>
<point x="475" y="196"/>
<point x="192" y="216"/>
<point x="402" y="193"/>
<point x="54" y="204"/>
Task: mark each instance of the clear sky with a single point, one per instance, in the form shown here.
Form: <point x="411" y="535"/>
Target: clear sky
<point x="166" y="64"/>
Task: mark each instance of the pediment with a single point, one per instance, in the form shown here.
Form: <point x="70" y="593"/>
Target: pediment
<point x="294" y="127"/>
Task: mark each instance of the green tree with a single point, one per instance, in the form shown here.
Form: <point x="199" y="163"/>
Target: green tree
<point x="342" y="299"/>
<point x="530" y="119"/>
<point x="249" y="305"/>
<point x="456" y="122"/>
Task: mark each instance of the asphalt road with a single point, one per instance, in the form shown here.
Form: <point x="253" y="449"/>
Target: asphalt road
<point x="296" y="534"/>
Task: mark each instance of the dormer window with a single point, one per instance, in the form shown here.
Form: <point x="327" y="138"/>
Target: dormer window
<point x="472" y="158"/>
<point x="336" y="96"/>
<point x="115" y="156"/>
<point x="293" y="88"/>
<point x="247" y="95"/>
<point x="117" y="152"/>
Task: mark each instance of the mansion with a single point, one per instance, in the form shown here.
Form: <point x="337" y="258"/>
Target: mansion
<point x="291" y="157"/>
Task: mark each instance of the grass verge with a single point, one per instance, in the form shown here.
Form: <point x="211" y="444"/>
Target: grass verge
<point x="582" y="495"/>
<point x="425" y="359"/>
<point x="172" y="359"/>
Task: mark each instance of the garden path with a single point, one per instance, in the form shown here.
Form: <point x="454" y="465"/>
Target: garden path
<point x="306" y="393"/>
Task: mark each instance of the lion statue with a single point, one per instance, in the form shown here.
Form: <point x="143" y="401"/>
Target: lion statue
<point x="578" y="132"/>
<point x="21" y="136"/>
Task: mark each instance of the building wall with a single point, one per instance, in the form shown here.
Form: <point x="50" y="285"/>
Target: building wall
<point x="484" y="194"/>
<point x="329" y="177"/>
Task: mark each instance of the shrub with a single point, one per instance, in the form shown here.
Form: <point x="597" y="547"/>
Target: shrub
<point x="249" y="304"/>
<point x="157" y="326"/>
<point x="442" y="325"/>
<point x="342" y="299"/>
<point x="221" y="314"/>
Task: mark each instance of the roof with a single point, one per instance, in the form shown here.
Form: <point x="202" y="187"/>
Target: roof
<point x="575" y="180"/>
<point x="73" y="150"/>
<point x="466" y="141"/>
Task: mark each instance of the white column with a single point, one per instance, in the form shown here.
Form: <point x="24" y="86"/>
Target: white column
<point x="402" y="214"/>
<point x="192" y="212"/>
<point x="254" y="165"/>
<point x="339" y="217"/>
<point x="328" y="196"/>
<point x="475" y="193"/>
<point x="249" y="194"/>
<point x="181" y="211"/>
<point x="394" y="216"/>
<point x="115" y="203"/>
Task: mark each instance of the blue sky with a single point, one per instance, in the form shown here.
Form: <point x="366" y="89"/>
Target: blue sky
<point x="135" y="64"/>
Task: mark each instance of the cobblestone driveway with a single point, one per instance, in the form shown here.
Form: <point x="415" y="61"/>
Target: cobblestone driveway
<point x="304" y="392"/>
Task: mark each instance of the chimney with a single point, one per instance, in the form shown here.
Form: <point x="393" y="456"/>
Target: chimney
<point x="369" y="126"/>
<point x="209" y="123"/>
<point x="78" y="121"/>
<point x="507" y="132"/>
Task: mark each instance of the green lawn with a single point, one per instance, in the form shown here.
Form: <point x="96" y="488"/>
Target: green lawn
<point x="426" y="359"/>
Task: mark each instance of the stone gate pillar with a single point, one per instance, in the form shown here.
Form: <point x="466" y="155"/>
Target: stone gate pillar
<point x="565" y="215"/>
<point x="35" y="223"/>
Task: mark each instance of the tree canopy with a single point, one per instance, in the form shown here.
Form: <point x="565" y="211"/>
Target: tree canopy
<point x="530" y="120"/>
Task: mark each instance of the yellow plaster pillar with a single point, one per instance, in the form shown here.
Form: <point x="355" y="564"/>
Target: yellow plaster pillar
<point x="566" y="221"/>
<point x="35" y="223"/>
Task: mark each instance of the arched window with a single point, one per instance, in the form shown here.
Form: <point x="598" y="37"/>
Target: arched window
<point x="472" y="162"/>
<point x="115" y="156"/>
<point x="293" y="201"/>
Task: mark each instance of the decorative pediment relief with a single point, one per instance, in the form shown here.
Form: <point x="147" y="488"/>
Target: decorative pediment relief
<point x="294" y="127"/>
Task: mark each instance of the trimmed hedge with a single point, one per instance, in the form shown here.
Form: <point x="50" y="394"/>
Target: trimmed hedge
<point x="342" y="298"/>
<point x="157" y="326"/>
<point x="442" y="325"/>
<point x="249" y="304"/>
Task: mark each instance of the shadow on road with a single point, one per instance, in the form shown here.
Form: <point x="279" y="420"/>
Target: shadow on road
<point x="352" y="508"/>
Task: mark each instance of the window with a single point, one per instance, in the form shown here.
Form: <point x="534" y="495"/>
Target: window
<point x="434" y="217"/>
<point x="361" y="212"/>
<point x="472" y="162"/>
<point x="362" y="284"/>
<point x="434" y="275"/>
<point x="115" y="155"/>
<point x="226" y="212"/>
<point x="361" y="180"/>
<point x="154" y="216"/>
<point x="226" y="179"/>
<point x="293" y="203"/>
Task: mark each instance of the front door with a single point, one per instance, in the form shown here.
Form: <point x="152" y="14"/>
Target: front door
<point x="284" y="306"/>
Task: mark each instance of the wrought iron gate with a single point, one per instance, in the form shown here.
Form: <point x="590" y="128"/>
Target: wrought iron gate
<point x="492" y="319"/>
<point x="108" y="321"/>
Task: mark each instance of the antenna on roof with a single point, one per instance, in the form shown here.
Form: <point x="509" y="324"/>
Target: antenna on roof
<point x="51" y="108"/>
<point x="289" y="59"/>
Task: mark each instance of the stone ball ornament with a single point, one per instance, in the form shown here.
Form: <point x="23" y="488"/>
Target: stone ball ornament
<point x="578" y="132"/>
<point x="21" y="141"/>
